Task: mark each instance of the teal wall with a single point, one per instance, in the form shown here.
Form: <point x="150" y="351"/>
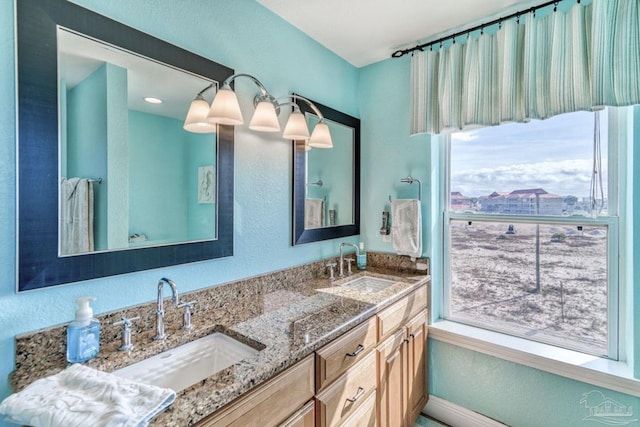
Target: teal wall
<point x="201" y="217"/>
<point x="388" y="152"/>
<point x="117" y="175"/>
<point x="516" y="395"/>
<point x="95" y="140"/>
<point x="165" y="157"/>
<point x="158" y="160"/>
<point x="87" y="142"/>
<point x="240" y="34"/>
<point x="245" y="36"/>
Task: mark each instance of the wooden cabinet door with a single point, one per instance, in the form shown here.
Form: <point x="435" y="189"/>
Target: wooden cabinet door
<point x="392" y="380"/>
<point x="417" y="366"/>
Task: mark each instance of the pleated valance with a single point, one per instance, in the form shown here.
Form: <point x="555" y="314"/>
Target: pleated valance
<point x="583" y="58"/>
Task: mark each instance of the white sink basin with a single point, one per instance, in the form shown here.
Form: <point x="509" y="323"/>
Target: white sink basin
<point x="184" y="366"/>
<point x="369" y="284"/>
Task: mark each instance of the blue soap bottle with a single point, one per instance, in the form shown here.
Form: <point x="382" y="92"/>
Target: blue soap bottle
<point x="83" y="334"/>
<point x="361" y="258"/>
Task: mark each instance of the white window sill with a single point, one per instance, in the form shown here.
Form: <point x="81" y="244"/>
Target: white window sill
<point x="590" y="369"/>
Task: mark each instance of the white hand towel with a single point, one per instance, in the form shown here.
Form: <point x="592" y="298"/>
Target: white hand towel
<point x="76" y="219"/>
<point x="82" y="396"/>
<point x="406" y="227"/>
<point x="313" y="213"/>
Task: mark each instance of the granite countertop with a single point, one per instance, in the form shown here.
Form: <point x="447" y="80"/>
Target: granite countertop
<point x="285" y="323"/>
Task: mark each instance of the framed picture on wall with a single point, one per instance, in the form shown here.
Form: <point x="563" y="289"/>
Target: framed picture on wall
<point x="206" y="184"/>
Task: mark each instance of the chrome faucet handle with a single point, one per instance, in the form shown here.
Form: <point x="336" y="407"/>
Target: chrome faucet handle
<point x="332" y="266"/>
<point x="349" y="261"/>
<point x="186" y="317"/>
<point x="126" y="333"/>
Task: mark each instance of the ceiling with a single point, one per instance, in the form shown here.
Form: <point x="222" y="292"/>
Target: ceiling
<point x="367" y="31"/>
<point x="80" y="56"/>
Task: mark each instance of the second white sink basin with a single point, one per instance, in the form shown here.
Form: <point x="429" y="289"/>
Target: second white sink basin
<point x="369" y="284"/>
<point x="184" y="366"/>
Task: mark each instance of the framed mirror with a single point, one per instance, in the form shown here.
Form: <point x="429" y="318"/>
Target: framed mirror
<point x="326" y="181"/>
<point x="89" y="146"/>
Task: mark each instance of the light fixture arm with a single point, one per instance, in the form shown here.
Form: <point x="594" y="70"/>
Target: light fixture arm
<point x="294" y="98"/>
<point x="201" y="93"/>
<point x="227" y="82"/>
<point x="264" y="93"/>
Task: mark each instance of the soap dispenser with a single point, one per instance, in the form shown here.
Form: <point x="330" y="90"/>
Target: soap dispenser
<point x="83" y="334"/>
<point x="361" y="258"/>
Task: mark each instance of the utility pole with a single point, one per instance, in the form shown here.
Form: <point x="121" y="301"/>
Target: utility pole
<point x="537" y="245"/>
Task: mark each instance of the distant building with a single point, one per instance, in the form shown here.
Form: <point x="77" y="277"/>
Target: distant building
<point x="460" y="202"/>
<point x="533" y="201"/>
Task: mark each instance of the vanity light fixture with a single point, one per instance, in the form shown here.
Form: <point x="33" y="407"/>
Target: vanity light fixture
<point x="225" y="109"/>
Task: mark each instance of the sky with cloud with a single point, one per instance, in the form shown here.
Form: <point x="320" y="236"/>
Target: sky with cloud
<point x="555" y="154"/>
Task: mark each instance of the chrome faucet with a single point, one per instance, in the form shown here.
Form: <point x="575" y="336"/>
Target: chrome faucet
<point x="341" y="262"/>
<point x="160" y="335"/>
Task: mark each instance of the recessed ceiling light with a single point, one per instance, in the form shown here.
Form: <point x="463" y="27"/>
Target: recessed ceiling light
<point x="152" y="100"/>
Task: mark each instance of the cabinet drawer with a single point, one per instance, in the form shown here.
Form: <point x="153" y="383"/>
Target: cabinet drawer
<point x="347" y="393"/>
<point x="270" y="403"/>
<point x="305" y="417"/>
<point x="336" y="357"/>
<point x="365" y="415"/>
<point x="395" y="316"/>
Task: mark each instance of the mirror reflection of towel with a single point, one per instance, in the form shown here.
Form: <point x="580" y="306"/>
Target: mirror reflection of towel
<point x="313" y="213"/>
<point x="76" y="216"/>
<point x="406" y="229"/>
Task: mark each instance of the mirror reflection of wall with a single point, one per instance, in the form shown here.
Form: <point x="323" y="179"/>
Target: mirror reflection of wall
<point x="334" y="168"/>
<point x="143" y="167"/>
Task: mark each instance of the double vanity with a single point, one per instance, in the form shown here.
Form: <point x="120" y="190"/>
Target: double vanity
<point x="287" y="347"/>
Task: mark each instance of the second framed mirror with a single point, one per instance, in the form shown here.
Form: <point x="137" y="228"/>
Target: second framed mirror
<point x="326" y="181"/>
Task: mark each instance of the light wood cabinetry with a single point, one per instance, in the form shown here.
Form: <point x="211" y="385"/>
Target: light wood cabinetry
<point x="416" y="365"/>
<point x="392" y="380"/>
<point x="373" y="375"/>
<point x="271" y="403"/>
<point x="335" y="358"/>
<point x="401" y="360"/>
<point x="305" y="417"/>
<point x="395" y="316"/>
<point x="365" y="415"/>
<point x="346" y="394"/>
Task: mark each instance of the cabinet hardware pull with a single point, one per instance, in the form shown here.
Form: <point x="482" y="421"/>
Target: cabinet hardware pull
<point x="357" y="351"/>
<point x="357" y="396"/>
<point x="406" y="341"/>
<point x="412" y="335"/>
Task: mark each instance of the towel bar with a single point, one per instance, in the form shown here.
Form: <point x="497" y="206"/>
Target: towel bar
<point x="411" y="180"/>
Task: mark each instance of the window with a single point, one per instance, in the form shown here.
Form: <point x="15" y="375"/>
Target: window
<point x="530" y="234"/>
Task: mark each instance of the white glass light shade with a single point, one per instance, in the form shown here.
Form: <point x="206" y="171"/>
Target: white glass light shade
<point x="265" y="118"/>
<point x="225" y="108"/>
<point x="321" y="137"/>
<point x="196" y="120"/>
<point x="296" y="127"/>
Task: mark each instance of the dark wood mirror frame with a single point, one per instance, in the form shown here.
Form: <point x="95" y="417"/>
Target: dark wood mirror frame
<point x="300" y="234"/>
<point x="37" y="228"/>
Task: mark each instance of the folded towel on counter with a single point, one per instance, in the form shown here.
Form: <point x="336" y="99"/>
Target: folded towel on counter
<point x="82" y="396"/>
<point x="313" y="213"/>
<point x="406" y="228"/>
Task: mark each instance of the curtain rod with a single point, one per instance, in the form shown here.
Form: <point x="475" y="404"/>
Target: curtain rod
<point x="420" y="47"/>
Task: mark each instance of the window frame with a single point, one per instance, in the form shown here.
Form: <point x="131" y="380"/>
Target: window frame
<point x="616" y="172"/>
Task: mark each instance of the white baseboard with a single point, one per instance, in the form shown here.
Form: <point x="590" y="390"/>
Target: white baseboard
<point x="456" y="415"/>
